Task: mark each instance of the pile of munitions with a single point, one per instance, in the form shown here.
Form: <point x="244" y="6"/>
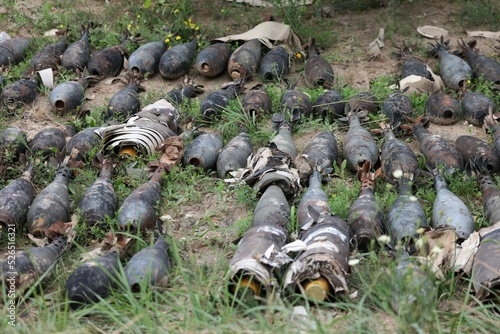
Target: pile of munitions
<point x="266" y="260"/>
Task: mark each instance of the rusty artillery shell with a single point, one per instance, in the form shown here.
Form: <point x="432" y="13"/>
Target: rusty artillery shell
<point x="328" y="106"/>
<point x="125" y="102"/>
<point x="454" y="70"/>
<point x="213" y="59"/>
<point x="486" y="266"/>
<point x="283" y="141"/>
<point x="149" y="267"/>
<point x="48" y="140"/>
<point x="366" y="217"/>
<point x="32" y="264"/>
<point x="52" y="204"/>
<point x="244" y="60"/>
<point x="48" y="57"/>
<point x="139" y="211"/>
<point x="203" y="151"/>
<point x="77" y="54"/>
<point x="13" y="51"/>
<point x="359" y="146"/>
<point x="313" y="201"/>
<point x="475" y="107"/>
<point x="320" y="152"/>
<point x="437" y="150"/>
<point x="412" y="65"/>
<point x="482" y="66"/>
<point x="449" y="210"/>
<point x="93" y="280"/>
<point x="84" y="141"/>
<point x="176" y="61"/>
<point x="396" y="157"/>
<point x="364" y="101"/>
<point x="214" y="103"/>
<point x="15" y="199"/>
<point x="13" y="142"/>
<point x="396" y="106"/>
<point x="477" y="152"/>
<point x="107" y="62"/>
<point x="296" y="104"/>
<point x="256" y="102"/>
<point x="275" y="64"/>
<point x="491" y="197"/>
<point x="442" y="109"/>
<point x="22" y="91"/>
<point x="234" y="155"/>
<point x="250" y="267"/>
<point x="68" y="96"/>
<point x="317" y="72"/>
<point x="146" y="59"/>
<point x="406" y="215"/>
<point x="99" y="200"/>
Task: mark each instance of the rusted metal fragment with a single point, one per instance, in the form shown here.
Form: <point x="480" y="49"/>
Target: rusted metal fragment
<point x="443" y="109"/>
<point x="476" y="153"/>
<point x="244" y="61"/>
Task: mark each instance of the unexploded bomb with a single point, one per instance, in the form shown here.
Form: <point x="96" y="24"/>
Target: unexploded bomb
<point x="176" y="61"/>
<point x="317" y="72"/>
<point x="84" y="141"/>
<point x="13" y="51"/>
<point x="364" y="101"/>
<point x="15" y="199"/>
<point x="77" y="54"/>
<point x="146" y="59"/>
<point x="328" y="106"/>
<point x="213" y="59"/>
<point x="482" y="66"/>
<point x="295" y="104"/>
<point x="256" y="102"/>
<point x="48" y="57"/>
<point x="275" y="64"/>
<point x="359" y="145"/>
<point x="244" y="60"/>
<point x="22" y="91"/>
<point x="454" y="70"/>
<point x="486" y="266"/>
<point x="477" y="152"/>
<point x="395" y="107"/>
<point x="442" y="109"/>
<point x="13" y="142"/>
<point x="321" y="152"/>
<point x="214" y="103"/>
<point x="475" y="107"/>
<point x="234" y="155"/>
<point x="203" y="151"/>
<point x="412" y="65"/>
<point x="107" y="62"/>
<point x="491" y="197"/>
<point x="125" y="102"/>
<point x="68" y="96"/>
<point x="48" y="141"/>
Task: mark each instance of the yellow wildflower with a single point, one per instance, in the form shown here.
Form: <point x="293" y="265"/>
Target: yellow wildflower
<point x="167" y="40"/>
<point x="169" y="35"/>
<point x="222" y="10"/>
<point x="298" y="55"/>
<point x="197" y="28"/>
<point x="138" y="16"/>
<point x="61" y="26"/>
<point x="129" y="26"/>
<point x="176" y="11"/>
<point x="177" y="38"/>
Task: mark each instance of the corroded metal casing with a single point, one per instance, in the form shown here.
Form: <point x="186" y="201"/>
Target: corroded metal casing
<point x="449" y="210"/>
<point x="23" y="91"/>
<point x="395" y="107"/>
<point x="482" y="66"/>
<point x="51" y="205"/>
<point x="213" y="59"/>
<point x="99" y="200"/>
<point x="47" y="141"/>
<point x="329" y="106"/>
<point x="320" y="152"/>
<point x="275" y="64"/>
<point x="203" y="151"/>
<point x="272" y="209"/>
<point x="32" y="264"/>
<point x="414" y="66"/>
<point x="486" y="266"/>
<point x="257" y="102"/>
<point x="176" y="61"/>
<point x="48" y="57"/>
<point x="234" y="155"/>
<point x="13" y="141"/>
<point x="146" y="59"/>
<point x="454" y="70"/>
<point x="475" y="107"/>
<point x="397" y="157"/>
<point x="405" y="215"/>
<point x="478" y="153"/>
<point x="244" y="60"/>
<point x="442" y="109"/>
<point x="283" y="141"/>
<point x="139" y="211"/>
<point x="107" y="62"/>
<point x="491" y="198"/>
<point x="437" y="150"/>
<point x="149" y="267"/>
<point x="84" y="141"/>
<point x="317" y="72"/>
<point x="297" y="104"/>
<point x="214" y="103"/>
<point x="124" y="103"/>
<point x="13" y="51"/>
<point x="314" y="199"/>
<point x="15" y="199"/>
<point x="67" y="96"/>
<point x="364" y="101"/>
<point x="359" y="145"/>
<point x="93" y="280"/>
<point x="366" y="218"/>
<point x="77" y="54"/>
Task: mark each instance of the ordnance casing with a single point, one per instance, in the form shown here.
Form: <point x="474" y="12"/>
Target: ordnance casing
<point x="486" y="265"/>
<point x="454" y="70"/>
<point x="275" y="64"/>
<point x="482" y="66"/>
<point x="146" y="59"/>
<point x="314" y="198"/>
<point x="234" y="155"/>
<point x="176" y="61"/>
<point x="443" y="109"/>
<point x="359" y="145"/>
<point x="214" y="103"/>
<point x="92" y="280"/>
<point x="13" y="51"/>
<point x="13" y="141"/>
<point x="320" y="152"/>
<point x="67" y="96"/>
<point x="395" y="107"/>
<point x="296" y="104"/>
<point x="244" y="61"/>
<point x="491" y="198"/>
<point x="77" y="54"/>
<point x="329" y="106"/>
<point x="125" y="102"/>
<point x="51" y="205"/>
<point x="15" y="199"/>
<point x="272" y="209"/>
<point x="140" y="210"/>
<point x="364" y="101"/>
<point x="284" y="140"/>
<point x="47" y="141"/>
<point x="48" y="57"/>
<point x="317" y="72"/>
<point x="84" y="141"/>
<point x="212" y="60"/>
<point x="203" y="151"/>
<point x="477" y="153"/>
<point x="475" y="107"/>
<point x="257" y="102"/>
<point x="107" y="62"/>
<point x="149" y="267"/>
<point x="22" y="91"/>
